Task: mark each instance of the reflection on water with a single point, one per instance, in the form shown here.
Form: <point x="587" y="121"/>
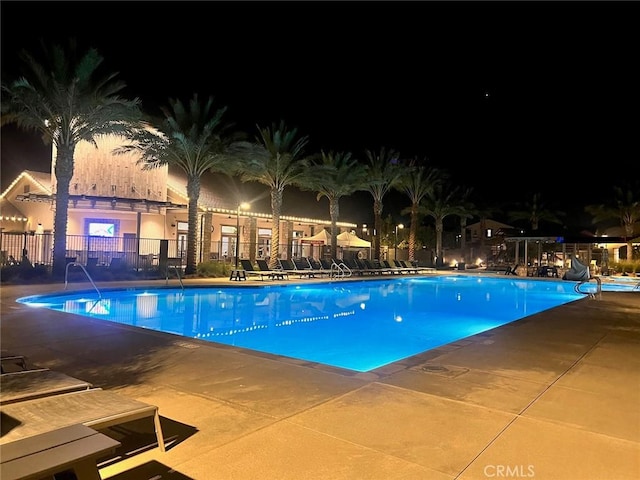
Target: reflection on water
<point x="359" y="325"/>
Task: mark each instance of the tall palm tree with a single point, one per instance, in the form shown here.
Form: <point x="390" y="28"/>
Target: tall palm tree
<point x="625" y="208"/>
<point x="416" y="182"/>
<point x="383" y="174"/>
<point x="276" y="159"/>
<point x="67" y="99"/>
<point x="192" y="138"/>
<point x="334" y="176"/>
<point x="439" y="203"/>
<point x="535" y="212"/>
<point x="467" y="210"/>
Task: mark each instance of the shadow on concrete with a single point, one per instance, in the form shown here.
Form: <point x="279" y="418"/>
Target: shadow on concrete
<point x="151" y="471"/>
<point x="139" y="436"/>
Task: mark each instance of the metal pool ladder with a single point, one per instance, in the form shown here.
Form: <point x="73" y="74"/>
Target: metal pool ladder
<point x="340" y="270"/>
<point x="176" y="268"/>
<point x="76" y="264"/>
<point x="598" y="293"/>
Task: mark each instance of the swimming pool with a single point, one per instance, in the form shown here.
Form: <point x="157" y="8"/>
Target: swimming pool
<point x="357" y="325"/>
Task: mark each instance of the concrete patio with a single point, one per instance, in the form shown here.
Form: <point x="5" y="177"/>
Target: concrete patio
<point x="553" y="396"/>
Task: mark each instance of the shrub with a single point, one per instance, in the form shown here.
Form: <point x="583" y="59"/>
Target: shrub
<point x="213" y="269"/>
<point x="625" y="266"/>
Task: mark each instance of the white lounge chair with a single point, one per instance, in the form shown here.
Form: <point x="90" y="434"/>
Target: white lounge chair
<point x="94" y="408"/>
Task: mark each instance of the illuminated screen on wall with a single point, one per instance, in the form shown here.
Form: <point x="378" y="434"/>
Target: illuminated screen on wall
<point x="101" y="228"/>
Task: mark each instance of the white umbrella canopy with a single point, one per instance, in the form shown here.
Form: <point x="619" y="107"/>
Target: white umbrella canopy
<point x="348" y="239"/>
<point x="345" y="239"/>
<point x="322" y="237"/>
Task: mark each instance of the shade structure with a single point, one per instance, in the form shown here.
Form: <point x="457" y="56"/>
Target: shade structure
<point x="351" y="240"/>
<point x="321" y="238"/>
<point x="345" y="239"/>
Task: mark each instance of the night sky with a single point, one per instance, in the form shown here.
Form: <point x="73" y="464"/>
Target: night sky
<point x="510" y="97"/>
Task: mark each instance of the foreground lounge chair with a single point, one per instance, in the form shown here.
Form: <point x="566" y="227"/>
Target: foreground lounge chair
<point x="75" y="448"/>
<point x="94" y="408"/>
<point x="36" y="383"/>
<point x="10" y="362"/>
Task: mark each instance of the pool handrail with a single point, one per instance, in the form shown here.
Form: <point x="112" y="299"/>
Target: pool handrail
<point x="76" y="264"/>
<point x="176" y="268"/>
<point x="598" y="293"/>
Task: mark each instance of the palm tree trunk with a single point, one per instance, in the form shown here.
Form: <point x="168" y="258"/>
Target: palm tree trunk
<point x="193" y="192"/>
<point x="276" y="207"/>
<point x="64" y="172"/>
<point x="412" y="232"/>
<point x="439" y="229"/>
<point x="334" y="212"/>
<point x="463" y="239"/>
<point x="377" y="223"/>
<point x="628" y="230"/>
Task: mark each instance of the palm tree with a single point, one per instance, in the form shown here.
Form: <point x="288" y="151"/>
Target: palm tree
<point x="334" y="176"/>
<point x="276" y="159"/>
<point x="383" y="174"/>
<point x="441" y="202"/>
<point x="625" y="208"/>
<point x="535" y="212"/>
<point x="67" y="100"/>
<point x="416" y="182"/>
<point x="467" y="210"/>
<point x="190" y="138"/>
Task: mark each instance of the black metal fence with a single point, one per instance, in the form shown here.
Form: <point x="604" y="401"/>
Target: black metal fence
<point x="132" y="252"/>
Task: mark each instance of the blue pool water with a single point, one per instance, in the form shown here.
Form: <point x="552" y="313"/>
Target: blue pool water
<point x="358" y="325"/>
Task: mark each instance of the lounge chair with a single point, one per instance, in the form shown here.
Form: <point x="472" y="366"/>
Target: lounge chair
<point x="405" y="267"/>
<point x="419" y="269"/>
<point x="75" y="448"/>
<point x="353" y="265"/>
<point x="511" y="270"/>
<point x="290" y="267"/>
<point x="252" y="272"/>
<point x="94" y="408"/>
<point x="279" y="274"/>
<point x="375" y="267"/>
<point x="10" y="362"/>
<point x="392" y="268"/>
<point x="36" y="383"/>
<point x="316" y="266"/>
<point x="262" y="274"/>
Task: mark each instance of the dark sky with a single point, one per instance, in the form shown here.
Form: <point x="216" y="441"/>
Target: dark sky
<point x="510" y="97"/>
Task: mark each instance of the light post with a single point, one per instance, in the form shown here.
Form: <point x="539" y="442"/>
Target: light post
<point x="243" y="206"/>
<point x="395" y="250"/>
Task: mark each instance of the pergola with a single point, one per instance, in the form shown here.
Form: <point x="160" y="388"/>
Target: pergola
<point x="589" y="241"/>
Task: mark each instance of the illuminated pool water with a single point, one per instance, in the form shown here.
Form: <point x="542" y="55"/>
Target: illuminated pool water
<point x="358" y="325"/>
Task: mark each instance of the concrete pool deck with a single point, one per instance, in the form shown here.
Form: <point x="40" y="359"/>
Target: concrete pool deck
<point x="553" y="396"/>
